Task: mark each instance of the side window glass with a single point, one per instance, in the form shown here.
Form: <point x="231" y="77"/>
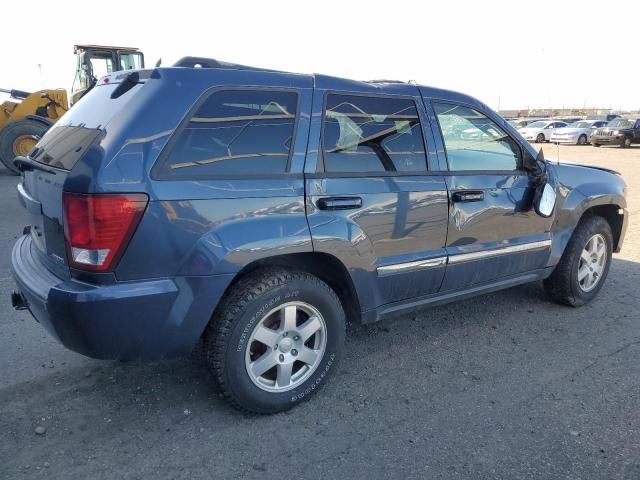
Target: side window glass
<point x="475" y="142"/>
<point x="372" y="134"/>
<point x="235" y="132"/>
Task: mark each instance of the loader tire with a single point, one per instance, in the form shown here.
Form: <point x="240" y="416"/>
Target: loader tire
<point x="18" y="138"/>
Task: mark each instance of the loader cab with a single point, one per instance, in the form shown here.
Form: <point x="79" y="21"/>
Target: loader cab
<point x="96" y="61"/>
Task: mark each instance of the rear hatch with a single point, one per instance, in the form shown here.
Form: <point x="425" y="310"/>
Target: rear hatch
<point x="78" y="132"/>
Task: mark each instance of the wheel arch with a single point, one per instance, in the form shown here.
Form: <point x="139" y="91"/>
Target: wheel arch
<point x="325" y="266"/>
<point x="611" y="208"/>
<point x="611" y="213"/>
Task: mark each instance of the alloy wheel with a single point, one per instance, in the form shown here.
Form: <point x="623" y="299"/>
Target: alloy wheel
<point x="286" y="346"/>
<point x="593" y="261"/>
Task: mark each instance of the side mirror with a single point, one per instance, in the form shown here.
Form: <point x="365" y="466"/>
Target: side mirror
<point x="544" y="200"/>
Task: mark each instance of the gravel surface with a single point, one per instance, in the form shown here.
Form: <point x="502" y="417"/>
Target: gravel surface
<point x="507" y="385"/>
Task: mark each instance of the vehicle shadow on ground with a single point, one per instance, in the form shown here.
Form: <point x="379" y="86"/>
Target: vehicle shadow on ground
<point x="185" y="384"/>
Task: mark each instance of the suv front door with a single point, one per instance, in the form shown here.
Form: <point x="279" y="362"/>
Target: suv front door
<point x="370" y="201"/>
<point x="494" y="232"/>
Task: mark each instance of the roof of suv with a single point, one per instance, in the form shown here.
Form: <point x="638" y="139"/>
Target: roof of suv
<point x="334" y="83"/>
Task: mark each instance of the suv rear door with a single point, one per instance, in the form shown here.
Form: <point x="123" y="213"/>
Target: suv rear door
<point x="370" y="199"/>
<point x="493" y="230"/>
<point x="71" y="138"/>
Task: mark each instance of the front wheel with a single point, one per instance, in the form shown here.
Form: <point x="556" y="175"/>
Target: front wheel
<point x="626" y="142"/>
<point x="582" y="140"/>
<point x="275" y="339"/>
<point x="584" y="265"/>
<point x="594" y="143"/>
<point x="540" y="138"/>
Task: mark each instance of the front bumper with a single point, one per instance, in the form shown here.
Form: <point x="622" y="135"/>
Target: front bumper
<point x="530" y="138"/>
<point x="608" y="139"/>
<point x="125" y="320"/>
<point x="623" y="229"/>
<point x="563" y="139"/>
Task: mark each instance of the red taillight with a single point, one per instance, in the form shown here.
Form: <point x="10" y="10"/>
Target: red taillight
<point x="98" y="227"/>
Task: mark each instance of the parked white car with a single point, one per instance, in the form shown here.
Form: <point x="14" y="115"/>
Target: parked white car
<point x="577" y="133"/>
<point x="541" y="130"/>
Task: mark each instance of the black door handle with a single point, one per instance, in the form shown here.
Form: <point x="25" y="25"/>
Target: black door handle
<point x="468" y="196"/>
<point x="339" y="203"/>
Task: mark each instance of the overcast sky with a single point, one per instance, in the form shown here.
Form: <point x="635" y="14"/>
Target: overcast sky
<point x="511" y="54"/>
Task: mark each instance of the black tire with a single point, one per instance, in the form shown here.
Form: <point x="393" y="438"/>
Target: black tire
<point x="595" y="144"/>
<point x="582" y="139"/>
<point x="563" y="285"/>
<point x="10" y="133"/>
<point x="625" y="142"/>
<point x="226" y="339"/>
<point x="540" y="138"/>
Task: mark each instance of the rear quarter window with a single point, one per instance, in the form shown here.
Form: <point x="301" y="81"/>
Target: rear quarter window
<point x="241" y="132"/>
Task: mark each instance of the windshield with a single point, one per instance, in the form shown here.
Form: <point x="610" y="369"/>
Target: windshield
<point x="581" y="125"/>
<point x="538" y="124"/>
<point x="621" y="123"/>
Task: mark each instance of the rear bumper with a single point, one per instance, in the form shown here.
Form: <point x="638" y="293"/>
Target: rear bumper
<point x="126" y="320"/>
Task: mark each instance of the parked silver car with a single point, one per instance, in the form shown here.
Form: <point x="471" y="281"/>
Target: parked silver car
<point x="541" y="130"/>
<point x="578" y="133"/>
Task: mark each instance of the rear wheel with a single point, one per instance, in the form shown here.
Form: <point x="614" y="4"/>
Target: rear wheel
<point x="540" y="138"/>
<point x="18" y="138"/>
<point x="274" y="340"/>
<point x="582" y="139"/>
<point x="584" y="265"/>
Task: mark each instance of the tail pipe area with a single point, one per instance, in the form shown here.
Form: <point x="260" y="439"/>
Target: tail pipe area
<point x="17" y="301"/>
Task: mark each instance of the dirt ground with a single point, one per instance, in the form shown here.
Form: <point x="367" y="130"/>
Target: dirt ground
<point x="507" y="385"/>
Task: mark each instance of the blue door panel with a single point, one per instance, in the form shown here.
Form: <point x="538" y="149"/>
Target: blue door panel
<point x="402" y="219"/>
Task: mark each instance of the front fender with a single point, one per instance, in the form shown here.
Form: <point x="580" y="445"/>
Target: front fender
<point x="578" y="192"/>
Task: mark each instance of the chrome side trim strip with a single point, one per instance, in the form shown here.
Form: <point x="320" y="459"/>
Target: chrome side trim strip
<point x="466" y="257"/>
<point x="411" y="266"/>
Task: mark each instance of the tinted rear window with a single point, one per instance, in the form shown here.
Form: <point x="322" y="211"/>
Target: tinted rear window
<point x="235" y="132"/>
<point x="67" y="141"/>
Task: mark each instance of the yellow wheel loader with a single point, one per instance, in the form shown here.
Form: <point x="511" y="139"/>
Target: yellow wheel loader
<point x="25" y="116"/>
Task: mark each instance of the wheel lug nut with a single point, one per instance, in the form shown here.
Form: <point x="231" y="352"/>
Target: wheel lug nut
<point x="286" y="334"/>
<point x="294" y="352"/>
<point x="281" y="358"/>
<point x="296" y="338"/>
<point x="276" y="347"/>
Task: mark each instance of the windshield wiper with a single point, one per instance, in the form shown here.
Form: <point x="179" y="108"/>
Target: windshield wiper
<point x="25" y="164"/>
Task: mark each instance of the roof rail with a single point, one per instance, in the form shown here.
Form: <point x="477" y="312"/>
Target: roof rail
<point x="382" y="80"/>
<point x="203" y="62"/>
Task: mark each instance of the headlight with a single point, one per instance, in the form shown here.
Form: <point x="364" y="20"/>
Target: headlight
<point x="616" y="132"/>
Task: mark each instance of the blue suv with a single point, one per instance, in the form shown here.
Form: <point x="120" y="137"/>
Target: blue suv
<point x="253" y="212"/>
